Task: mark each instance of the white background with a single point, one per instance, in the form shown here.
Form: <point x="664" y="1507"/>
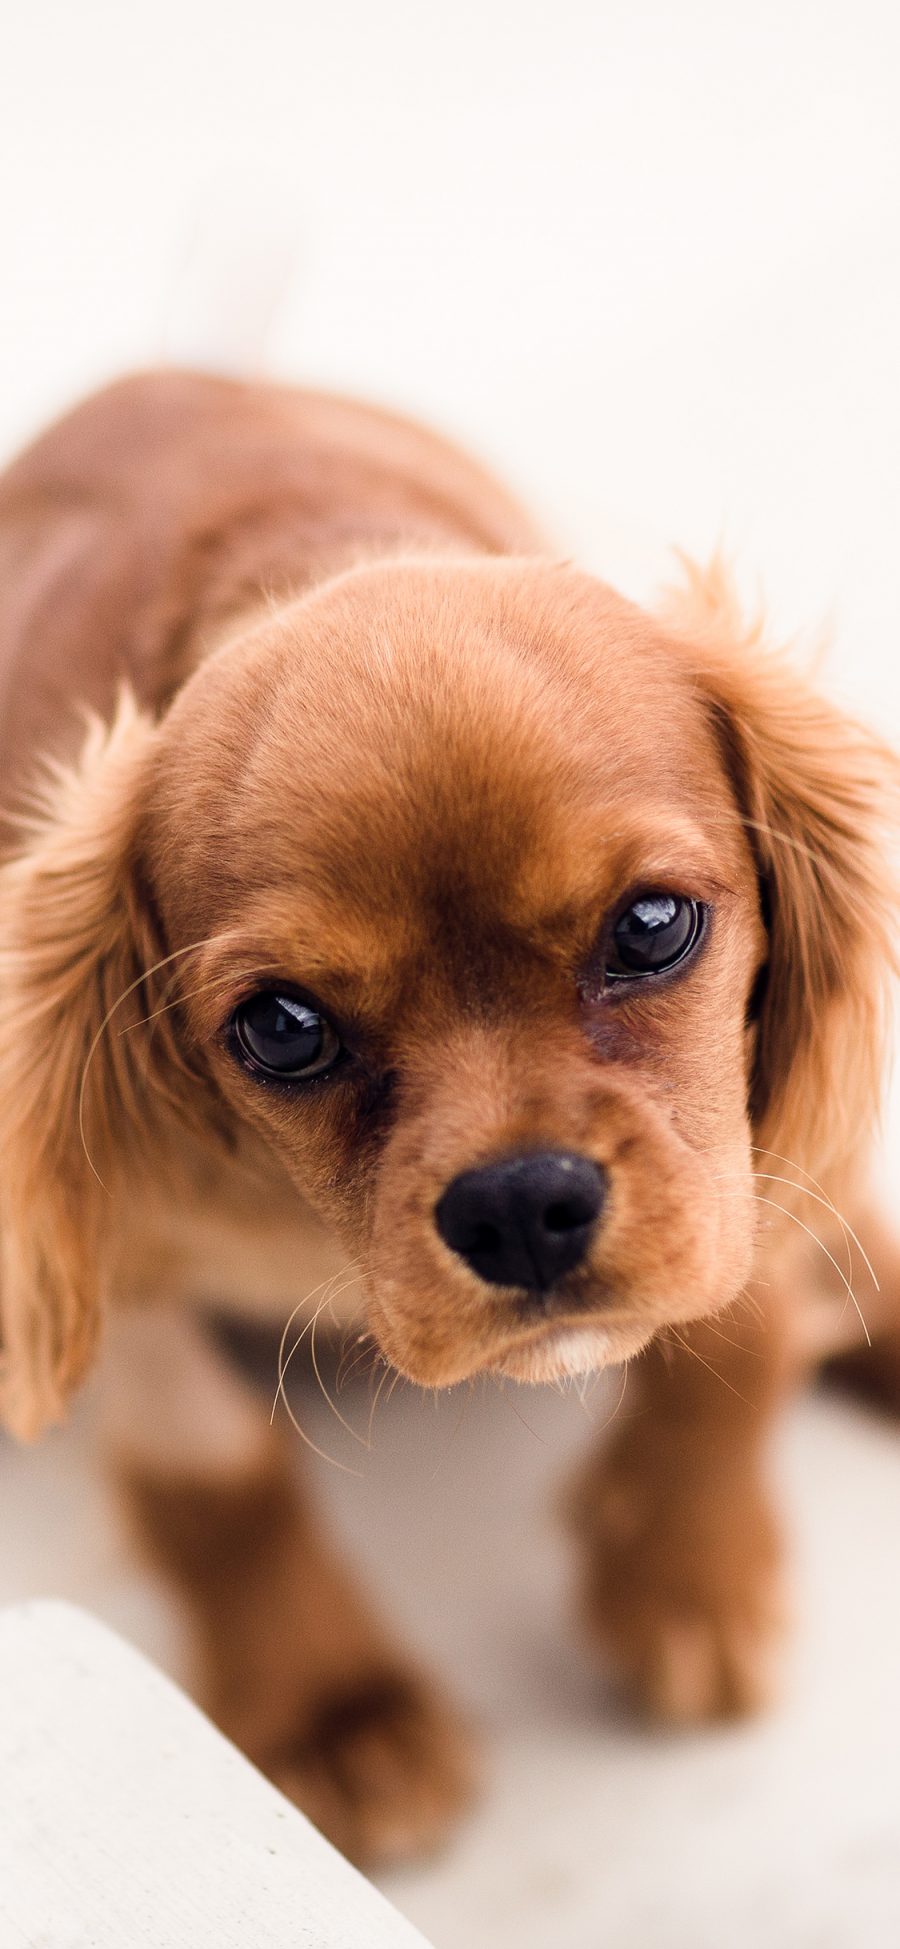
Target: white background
<point x="644" y="257"/>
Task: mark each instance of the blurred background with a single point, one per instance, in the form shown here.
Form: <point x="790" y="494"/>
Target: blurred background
<point x="645" y="259"/>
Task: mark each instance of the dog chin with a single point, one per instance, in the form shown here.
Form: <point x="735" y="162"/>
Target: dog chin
<point x="560" y="1356"/>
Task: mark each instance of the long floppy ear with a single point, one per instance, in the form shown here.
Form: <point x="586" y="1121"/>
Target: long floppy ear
<point x="75" y="935"/>
<point x="820" y="800"/>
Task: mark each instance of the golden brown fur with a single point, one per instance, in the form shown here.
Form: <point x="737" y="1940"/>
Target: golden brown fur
<point x="354" y="729"/>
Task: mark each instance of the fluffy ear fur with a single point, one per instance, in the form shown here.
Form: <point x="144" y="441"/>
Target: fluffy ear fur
<point x="820" y="800"/>
<point x="75" y="936"/>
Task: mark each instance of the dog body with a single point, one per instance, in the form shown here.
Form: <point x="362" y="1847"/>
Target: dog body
<point x="419" y="907"/>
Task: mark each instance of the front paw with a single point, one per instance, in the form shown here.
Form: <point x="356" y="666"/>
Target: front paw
<point x="684" y="1598"/>
<point x="381" y="1767"/>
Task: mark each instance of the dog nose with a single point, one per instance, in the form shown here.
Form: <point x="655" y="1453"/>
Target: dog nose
<point x="524" y="1220"/>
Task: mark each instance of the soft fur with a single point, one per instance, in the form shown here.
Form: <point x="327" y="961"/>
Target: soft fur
<point x="353" y="727"/>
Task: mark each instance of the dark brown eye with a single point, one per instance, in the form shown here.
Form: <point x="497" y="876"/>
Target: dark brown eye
<point x="653" y="934"/>
<point x="284" y="1037"/>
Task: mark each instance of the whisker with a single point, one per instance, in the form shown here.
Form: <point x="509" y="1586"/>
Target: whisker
<point x="368" y="1349"/>
<point x="710" y="1370"/>
<point x="736" y="1344"/>
<point x="304" y="1437"/>
<point x="822" y="1248"/>
<point x="753" y="1305"/>
<point x="323" y="1389"/>
<point x="146" y="974"/>
<point x="611" y="1417"/>
<point x="355" y="1279"/>
<point x="281" y="1365"/>
<point x="376" y="1401"/>
<point x="184" y="995"/>
<point x="763" y="1152"/>
<point x="520" y="1417"/>
<point x="597" y="1377"/>
<point x="344" y="1355"/>
<point x="771" y="1177"/>
<point x="464" y="1409"/>
<point x="298" y="1344"/>
<point x="818" y="1197"/>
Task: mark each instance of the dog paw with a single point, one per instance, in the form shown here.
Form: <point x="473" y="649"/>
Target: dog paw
<point x="381" y="1768"/>
<point x="689" y="1611"/>
<point x="687" y="1666"/>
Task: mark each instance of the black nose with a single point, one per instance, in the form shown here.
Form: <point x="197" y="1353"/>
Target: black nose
<point x="525" y="1220"/>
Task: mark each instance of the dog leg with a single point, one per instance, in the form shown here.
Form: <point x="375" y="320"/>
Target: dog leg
<point x="292" y="1663"/>
<point x="682" y="1556"/>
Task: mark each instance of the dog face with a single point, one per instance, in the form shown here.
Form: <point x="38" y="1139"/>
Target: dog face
<point x="482" y="938"/>
<point x="512" y="920"/>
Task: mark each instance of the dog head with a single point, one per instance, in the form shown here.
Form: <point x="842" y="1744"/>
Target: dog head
<point x="511" y="917"/>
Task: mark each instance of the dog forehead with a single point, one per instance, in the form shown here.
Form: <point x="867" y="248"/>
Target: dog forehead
<point x="454" y="721"/>
<point x="421" y="747"/>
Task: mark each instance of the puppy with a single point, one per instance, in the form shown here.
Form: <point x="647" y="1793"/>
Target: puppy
<point x="415" y="903"/>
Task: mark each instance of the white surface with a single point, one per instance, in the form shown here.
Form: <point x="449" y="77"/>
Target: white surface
<point x="645" y="257"/>
<point x="593" y="1832"/>
<point x="125" y="1818"/>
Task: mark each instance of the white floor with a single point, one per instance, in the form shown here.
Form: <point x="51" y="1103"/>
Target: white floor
<point x="591" y="1830"/>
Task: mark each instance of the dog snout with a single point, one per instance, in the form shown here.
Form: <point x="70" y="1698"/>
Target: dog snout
<point x="523" y="1220"/>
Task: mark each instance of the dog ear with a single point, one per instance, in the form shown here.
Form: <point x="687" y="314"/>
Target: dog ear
<point x="819" y="797"/>
<point x="76" y="936"/>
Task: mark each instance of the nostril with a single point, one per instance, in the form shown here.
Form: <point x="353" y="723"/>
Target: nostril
<point x="568" y="1215"/>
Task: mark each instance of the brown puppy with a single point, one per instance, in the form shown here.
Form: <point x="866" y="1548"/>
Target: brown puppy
<point x="414" y="900"/>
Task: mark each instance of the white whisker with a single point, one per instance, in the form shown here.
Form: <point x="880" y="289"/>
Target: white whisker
<point x="315" y="1366"/>
<point x="761" y="1151"/>
<point x="304" y="1437"/>
<point x="823" y="1248"/>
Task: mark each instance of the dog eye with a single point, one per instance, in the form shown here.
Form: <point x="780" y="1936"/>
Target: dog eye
<point x="284" y="1037"/>
<point x="653" y="934"/>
